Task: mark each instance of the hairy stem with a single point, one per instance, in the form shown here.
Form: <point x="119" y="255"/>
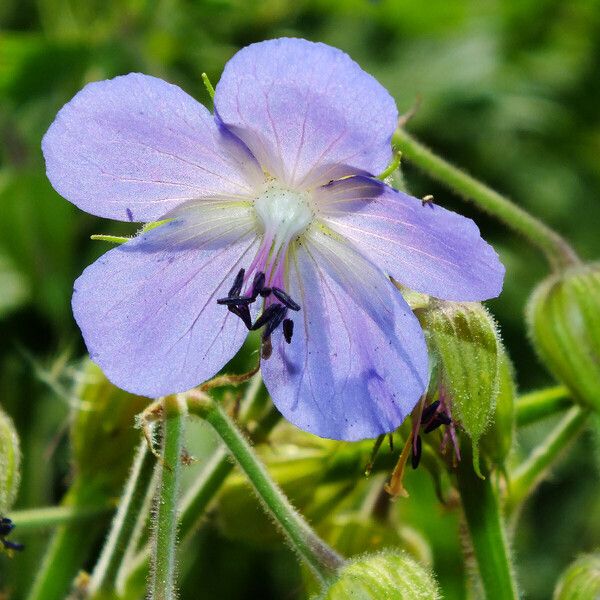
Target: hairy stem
<point x="47" y="517"/>
<point x="162" y="581"/>
<point x="535" y="406"/>
<point x="555" y="248"/>
<point x="69" y="547"/>
<point x="486" y="531"/>
<point x="322" y="559"/>
<point x="526" y="476"/>
<point x="130" y="510"/>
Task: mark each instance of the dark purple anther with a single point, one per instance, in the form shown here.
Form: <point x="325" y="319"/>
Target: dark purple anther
<point x="266" y="317"/>
<point x="428" y="411"/>
<point x="236" y="288"/>
<point x="444" y="418"/>
<point x="243" y="312"/>
<point x="435" y="423"/>
<point x="415" y="459"/>
<point x="265" y="292"/>
<point x="6" y="526"/>
<point x="276" y="320"/>
<point x="288" y="330"/>
<point x="13" y="545"/>
<point x="258" y="284"/>
<point x="285" y="299"/>
<point x="235" y="301"/>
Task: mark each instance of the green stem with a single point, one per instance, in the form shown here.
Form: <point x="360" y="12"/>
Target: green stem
<point x="69" y="547"/>
<point x="535" y="406"/>
<point x="486" y="531"/>
<point x="104" y="576"/>
<point x="525" y="477"/>
<point x="556" y="249"/>
<point x="209" y="482"/>
<point x="162" y="582"/>
<point x="323" y="560"/>
<point x="54" y="516"/>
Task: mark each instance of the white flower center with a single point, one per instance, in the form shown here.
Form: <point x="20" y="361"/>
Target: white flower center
<point x="284" y="213"/>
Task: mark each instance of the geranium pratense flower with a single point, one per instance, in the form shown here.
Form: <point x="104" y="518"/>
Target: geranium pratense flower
<point x="275" y="222"/>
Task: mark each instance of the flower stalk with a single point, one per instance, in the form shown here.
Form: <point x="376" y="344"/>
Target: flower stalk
<point x="322" y="559"/>
<point x="162" y="581"/>
<point x="537" y="405"/>
<point x="48" y="517"/>
<point x="486" y="530"/>
<point x="130" y="511"/>
<point x="554" y="247"/>
<point x="525" y="477"/>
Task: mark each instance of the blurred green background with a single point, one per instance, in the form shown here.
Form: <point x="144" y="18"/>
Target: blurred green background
<point x="509" y="90"/>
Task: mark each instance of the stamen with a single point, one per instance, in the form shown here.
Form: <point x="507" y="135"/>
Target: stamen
<point x="434" y="424"/>
<point x="276" y="320"/>
<point x="13" y="545"/>
<point x="6" y="526"/>
<point x="236" y="288"/>
<point x="266" y="348"/>
<point x="243" y="312"/>
<point x="285" y="298"/>
<point x="429" y="411"/>
<point x="236" y="301"/>
<point x="415" y="458"/>
<point x="265" y="292"/>
<point x="258" y="284"/>
<point x="268" y="314"/>
<point x="444" y="418"/>
<point x="288" y="330"/>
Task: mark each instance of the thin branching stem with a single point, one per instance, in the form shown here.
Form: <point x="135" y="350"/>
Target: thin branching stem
<point x="162" y="580"/>
<point x="322" y="559"/>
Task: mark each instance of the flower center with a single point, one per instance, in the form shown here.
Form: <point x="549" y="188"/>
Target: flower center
<point x="284" y="213"/>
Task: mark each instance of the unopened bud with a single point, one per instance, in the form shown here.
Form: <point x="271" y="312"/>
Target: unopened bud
<point x="581" y="580"/>
<point x="387" y="575"/>
<point x="10" y="462"/>
<point x="464" y="345"/>
<point x="563" y="315"/>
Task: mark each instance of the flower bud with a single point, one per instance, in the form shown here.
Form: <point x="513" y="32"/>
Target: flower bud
<point x="563" y="315"/>
<point x="581" y="580"/>
<point x="497" y="440"/>
<point x="10" y="462"/>
<point x="386" y="575"/>
<point x="464" y="345"/>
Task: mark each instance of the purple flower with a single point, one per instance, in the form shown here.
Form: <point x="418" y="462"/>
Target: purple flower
<point x="273" y="208"/>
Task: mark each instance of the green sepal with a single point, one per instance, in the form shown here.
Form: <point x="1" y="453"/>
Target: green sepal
<point x="386" y="575"/>
<point x="497" y="440"/>
<point x="464" y="344"/>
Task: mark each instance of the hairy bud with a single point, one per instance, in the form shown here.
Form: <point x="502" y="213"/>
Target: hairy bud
<point x="563" y="315"/>
<point x="10" y="462"/>
<point x="581" y="580"/>
<point x="382" y="576"/>
<point x="464" y="344"/>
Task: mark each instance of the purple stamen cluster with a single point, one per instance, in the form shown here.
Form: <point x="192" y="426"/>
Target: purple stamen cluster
<point x="6" y="526"/>
<point x="272" y="316"/>
<point x="432" y="417"/>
